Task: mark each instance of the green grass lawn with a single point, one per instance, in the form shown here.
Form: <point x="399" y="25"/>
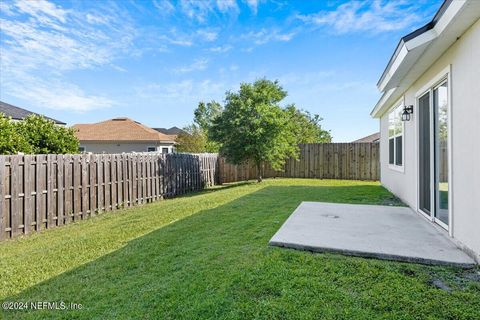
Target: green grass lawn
<point x="206" y="255"/>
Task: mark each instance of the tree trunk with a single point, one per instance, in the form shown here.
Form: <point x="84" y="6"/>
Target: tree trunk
<point x="259" y="172"/>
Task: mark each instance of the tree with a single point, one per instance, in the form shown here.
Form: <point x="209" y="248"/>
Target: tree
<point x="253" y="127"/>
<point x="306" y="127"/>
<point x="204" y="116"/>
<point x="44" y="136"/>
<point x="206" y="113"/>
<point x="193" y="139"/>
<point x="11" y="141"/>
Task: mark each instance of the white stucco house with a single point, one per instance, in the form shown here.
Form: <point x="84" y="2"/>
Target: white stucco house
<point x="431" y="159"/>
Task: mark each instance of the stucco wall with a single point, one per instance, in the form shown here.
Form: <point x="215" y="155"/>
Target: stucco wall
<point x="114" y="147"/>
<point x="463" y="58"/>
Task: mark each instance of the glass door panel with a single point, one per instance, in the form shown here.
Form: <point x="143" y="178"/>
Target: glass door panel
<point x="440" y="107"/>
<point x="424" y="153"/>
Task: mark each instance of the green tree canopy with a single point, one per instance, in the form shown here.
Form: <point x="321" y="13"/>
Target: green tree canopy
<point x="36" y="134"/>
<point x="306" y="127"/>
<point x="253" y="127"/>
<point x="206" y="113"/>
<point x="193" y="140"/>
<point x="204" y="116"/>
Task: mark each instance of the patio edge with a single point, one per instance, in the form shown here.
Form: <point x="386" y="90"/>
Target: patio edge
<point x="363" y="254"/>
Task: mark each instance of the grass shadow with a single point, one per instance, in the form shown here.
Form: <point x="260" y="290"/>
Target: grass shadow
<point x="224" y="186"/>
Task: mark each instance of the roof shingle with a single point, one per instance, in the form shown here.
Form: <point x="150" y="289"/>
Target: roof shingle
<point x="119" y="129"/>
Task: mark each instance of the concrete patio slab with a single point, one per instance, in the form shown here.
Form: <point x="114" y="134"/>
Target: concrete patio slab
<point x="384" y="232"/>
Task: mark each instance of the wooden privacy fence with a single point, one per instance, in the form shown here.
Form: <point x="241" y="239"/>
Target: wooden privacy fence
<point x="45" y="191"/>
<point x="353" y="161"/>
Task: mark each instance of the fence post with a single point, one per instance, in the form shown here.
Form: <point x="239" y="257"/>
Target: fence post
<point x="60" y="189"/>
<point x="28" y="205"/>
<point x="16" y="218"/>
<point x="3" y="211"/>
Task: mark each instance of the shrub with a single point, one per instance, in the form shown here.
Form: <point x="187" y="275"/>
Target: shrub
<point x="36" y="134"/>
<point x="11" y="141"/>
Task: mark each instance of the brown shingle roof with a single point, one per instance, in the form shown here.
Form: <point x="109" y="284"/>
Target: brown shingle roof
<point x="119" y="129"/>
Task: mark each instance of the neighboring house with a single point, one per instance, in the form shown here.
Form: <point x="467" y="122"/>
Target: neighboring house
<point x="18" y="114"/>
<point x="122" y="135"/>
<point x="375" y="137"/>
<point x="431" y="159"/>
<point x="173" y="131"/>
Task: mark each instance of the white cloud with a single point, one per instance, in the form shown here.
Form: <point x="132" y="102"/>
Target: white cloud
<point x="96" y="19"/>
<point x="372" y="16"/>
<point x="164" y="6"/>
<point x="253" y="4"/>
<point x="197" y="65"/>
<point x="197" y="10"/>
<point x="118" y="68"/>
<point x="200" y="9"/>
<point x="42" y="10"/>
<point x="181" y="42"/>
<point x="41" y="42"/>
<point x="221" y="49"/>
<point x="55" y="94"/>
<point x="227" y="5"/>
<point x="248" y="50"/>
<point x="31" y="41"/>
<point x="185" y="39"/>
<point x="6" y="8"/>
<point x="207" y="35"/>
<point x="265" y="35"/>
<point x="184" y="91"/>
<point x="305" y="78"/>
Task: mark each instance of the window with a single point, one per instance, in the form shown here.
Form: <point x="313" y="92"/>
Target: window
<point x="81" y="149"/>
<point x="395" y="137"/>
<point x="164" y="150"/>
<point x="151" y="149"/>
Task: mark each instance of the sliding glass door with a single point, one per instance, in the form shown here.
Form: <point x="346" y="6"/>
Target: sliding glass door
<point x="433" y="153"/>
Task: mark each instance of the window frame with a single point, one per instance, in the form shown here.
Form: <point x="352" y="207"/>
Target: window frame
<point x="393" y="166"/>
<point x="82" y="149"/>
<point x="163" y="149"/>
<point x="151" y="147"/>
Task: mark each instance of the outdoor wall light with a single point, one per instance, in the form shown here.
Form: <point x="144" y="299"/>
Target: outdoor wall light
<point x="406" y="113"/>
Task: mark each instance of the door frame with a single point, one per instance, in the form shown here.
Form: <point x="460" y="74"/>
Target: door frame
<point x="440" y="78"/>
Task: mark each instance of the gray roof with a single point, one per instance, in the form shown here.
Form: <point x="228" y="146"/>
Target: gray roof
<point x="375" y="137"/>
<point x="17" y="113"/>
<point x="173" y="131"/>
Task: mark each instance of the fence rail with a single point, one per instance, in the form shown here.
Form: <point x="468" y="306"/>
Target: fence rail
<point x="351" y="161"/>
<point x="45" y="191"/>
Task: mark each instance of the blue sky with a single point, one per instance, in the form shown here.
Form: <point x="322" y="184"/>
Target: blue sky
<point x="153" y="61"/>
